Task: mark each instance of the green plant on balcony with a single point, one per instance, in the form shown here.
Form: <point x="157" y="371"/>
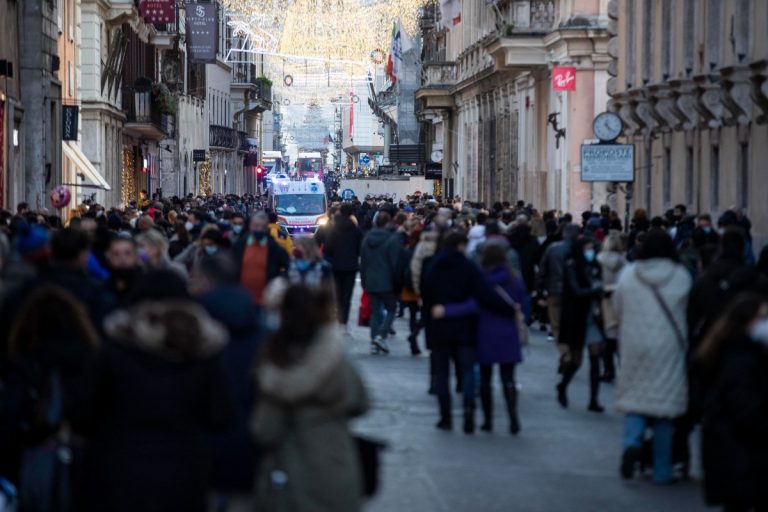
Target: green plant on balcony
<point x="264" y="80"/>
<point x="163" y="98"/>
<point x="509" y="29"/>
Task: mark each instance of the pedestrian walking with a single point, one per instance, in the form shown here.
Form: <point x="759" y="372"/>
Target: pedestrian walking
<point x="342" y="250"/>
<point x="612" y="260"/>
<point x="153" y="390"/>
<point x="259" y="257"/>
<point x="450" y="278"/>
<point x="498" y="339"/>
<point x="650" y="300"/>
<point x="308" y="393"/>
<point x="732" y="366"/>
<point x="378" y="264"/>
<point x="579" y="320"/>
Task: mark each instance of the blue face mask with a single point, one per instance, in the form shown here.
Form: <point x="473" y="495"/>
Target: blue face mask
<point x="302" y="264"/>
<point x="589" y="255"/>
<point x="210" y="250"/>
<point x="237" y="229"/>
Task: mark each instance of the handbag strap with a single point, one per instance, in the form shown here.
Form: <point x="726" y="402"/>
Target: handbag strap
<point x="665" y="309"/>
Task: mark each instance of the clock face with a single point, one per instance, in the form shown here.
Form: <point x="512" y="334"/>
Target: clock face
<point x="607" y="126"/>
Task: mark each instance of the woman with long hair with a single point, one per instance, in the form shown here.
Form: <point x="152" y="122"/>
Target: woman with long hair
<point x="579" y="322"/>
<point x="732" y="370"/>
<point x="308" y="392"/>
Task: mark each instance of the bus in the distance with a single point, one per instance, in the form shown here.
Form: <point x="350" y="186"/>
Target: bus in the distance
<point x="272" y="161"/>
<point x="310" y="165"/>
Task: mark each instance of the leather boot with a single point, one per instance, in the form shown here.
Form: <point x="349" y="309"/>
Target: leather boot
<point x="486" y="399"/>
<point x="510" y="395"/>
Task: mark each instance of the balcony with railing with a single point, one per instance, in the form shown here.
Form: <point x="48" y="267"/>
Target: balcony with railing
<point x="258" y="88"/>
<point x="144" y="118"/>
<point x="520" y="42"/>
<point x="223" y="137"/>
<point x="439" y="74"/>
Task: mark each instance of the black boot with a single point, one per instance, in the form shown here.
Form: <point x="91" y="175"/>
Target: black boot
<point x="469" y="421"/>
<point x="562" y="396"/>
<point x="510" y="395"/>
<point x="415" y="350"/>
<point x="594" y="384"/>
<point x="609" y="355"/>
<point x="486" y="399"/>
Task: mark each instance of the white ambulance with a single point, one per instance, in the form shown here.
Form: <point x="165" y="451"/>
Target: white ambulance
<point x="300" y="206"/>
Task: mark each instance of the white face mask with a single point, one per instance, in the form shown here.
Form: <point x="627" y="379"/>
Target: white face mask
<point x="759" y="332"/>
<point x="132" y="222"/>
<point x="188" y="225"/>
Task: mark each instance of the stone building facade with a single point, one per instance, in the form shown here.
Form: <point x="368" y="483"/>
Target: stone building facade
<point x="12" y="128"/>
<point x="488" y="104"/>
<point x="690" y="82"/>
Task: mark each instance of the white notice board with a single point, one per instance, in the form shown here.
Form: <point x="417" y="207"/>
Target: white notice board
<point x="608" y="162"/>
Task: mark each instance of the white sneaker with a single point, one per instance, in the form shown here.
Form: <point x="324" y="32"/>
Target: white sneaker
<point x="381" y="344"/>
<point x="374" y="349"/>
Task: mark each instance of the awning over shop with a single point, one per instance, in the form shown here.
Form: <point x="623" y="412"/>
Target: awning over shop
<point x="73" y="152"/>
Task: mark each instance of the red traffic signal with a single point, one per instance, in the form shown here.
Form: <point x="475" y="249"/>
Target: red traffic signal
<point x="259" y="170"/>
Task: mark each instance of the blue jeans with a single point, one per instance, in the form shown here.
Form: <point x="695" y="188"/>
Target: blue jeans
<point x="634" y="433"/>
<point x="464" y="357"/>
<point x="383" y="309"/>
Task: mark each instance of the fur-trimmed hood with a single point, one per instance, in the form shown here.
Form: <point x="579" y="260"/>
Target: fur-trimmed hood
<point x="310" y="377"/>
<point x="174" y="329"/>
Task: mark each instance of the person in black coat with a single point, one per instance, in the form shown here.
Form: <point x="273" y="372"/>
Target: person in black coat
<point x="342" y="250"/>
<point x="450" y="277"/>
<point x="578" y="324"/>
<point x="732" y="365"/>
<point x="156" y="387"/>
<point x="528" y="248"/>
<point x="233" y="453"/>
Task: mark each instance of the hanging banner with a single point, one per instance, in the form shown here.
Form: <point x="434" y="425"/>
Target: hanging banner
<point x="202" y="32"/>
<point x="564" y="78"/>
<point x="70" y="115"/>
<point x="158" y="11"/>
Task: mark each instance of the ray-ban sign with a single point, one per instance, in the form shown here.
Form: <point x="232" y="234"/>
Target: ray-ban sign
<point x="564" y="78"/>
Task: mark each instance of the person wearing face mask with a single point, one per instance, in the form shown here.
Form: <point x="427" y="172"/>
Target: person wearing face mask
<point x="124" y="269"/>
<point x="153" y="253"/>
<point x="195" y="223"/>
<point x="259" y="257"/>
<point x="308" y="265"/>
<point x="580" y="322"/>
<point x="732" y="364"/>
<point x="237" y="224"/>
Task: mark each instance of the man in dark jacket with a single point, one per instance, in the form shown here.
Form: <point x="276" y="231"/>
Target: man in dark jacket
<point x="551" y="277"/>
<point x="233" y="452"/>
<point x="449" y="278"/>
<point x="527" y="247"/>
<point x="259" y="258"/>
<point x="379" y="257"/>
<point x="342" y="250"/>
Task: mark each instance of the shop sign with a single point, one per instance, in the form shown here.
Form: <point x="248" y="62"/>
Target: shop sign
<point x="202" y="32"/>
<point x="70" y="115"/>
<point x="564" y="78"/>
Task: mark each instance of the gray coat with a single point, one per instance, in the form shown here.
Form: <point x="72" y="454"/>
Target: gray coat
<point x="309" y="458"/>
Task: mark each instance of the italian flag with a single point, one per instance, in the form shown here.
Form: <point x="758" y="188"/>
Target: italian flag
<point x="391" y="56"/>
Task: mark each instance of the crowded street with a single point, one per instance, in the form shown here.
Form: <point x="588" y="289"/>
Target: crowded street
<point x="383" y="256"/>
<point x="561" y="462"/>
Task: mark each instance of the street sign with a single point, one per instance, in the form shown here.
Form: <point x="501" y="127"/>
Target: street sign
<point x="347" y="194"/>
<point x="365" y="159"/>
<point x="608" y="163"/>
<point x="198" y="155"/>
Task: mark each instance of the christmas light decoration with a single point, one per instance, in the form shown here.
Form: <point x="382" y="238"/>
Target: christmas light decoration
<point x="128" y="177"/>
<point x="205" y="178"/>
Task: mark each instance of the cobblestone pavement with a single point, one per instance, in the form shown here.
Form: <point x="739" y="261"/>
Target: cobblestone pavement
<point x="563" y="460"/>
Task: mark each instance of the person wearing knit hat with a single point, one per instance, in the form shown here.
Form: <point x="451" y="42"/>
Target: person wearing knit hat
<point x="32" y="244"/>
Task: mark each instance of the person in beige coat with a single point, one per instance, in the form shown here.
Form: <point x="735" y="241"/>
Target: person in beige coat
<point x="650" y="301"/>
<point x="308" y="392"/>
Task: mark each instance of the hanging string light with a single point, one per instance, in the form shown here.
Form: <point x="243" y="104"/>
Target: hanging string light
<point x="128" y="177"/>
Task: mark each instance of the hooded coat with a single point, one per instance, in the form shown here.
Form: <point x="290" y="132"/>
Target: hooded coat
<point x="652" y="381"/>
<point x="309" y="458"/>
<point x="150" y="396"/>
<point x="379" y="259"/>
<point x="342" y="246"/>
